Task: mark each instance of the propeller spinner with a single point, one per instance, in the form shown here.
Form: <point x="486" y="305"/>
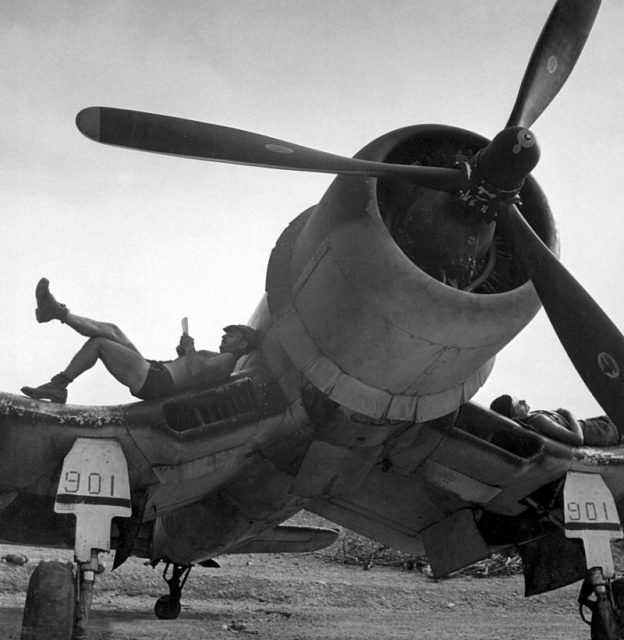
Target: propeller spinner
<point x="490" y="181"/>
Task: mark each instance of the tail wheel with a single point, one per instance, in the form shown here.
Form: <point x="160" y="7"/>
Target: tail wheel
<point x="167" y="608"/>
<point x="50" y="609"/>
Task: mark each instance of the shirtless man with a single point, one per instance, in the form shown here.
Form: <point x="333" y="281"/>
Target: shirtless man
<point x="559" y="425"/>
<point x="146" y="379"/>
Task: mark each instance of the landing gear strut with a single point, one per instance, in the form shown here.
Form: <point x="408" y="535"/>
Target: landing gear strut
<point x="591" y="515"/>
<point x="168" y="607"/>
<point x="603" y="605"/>
<point x="58" y="601"/>
<point x="94" y="487"/>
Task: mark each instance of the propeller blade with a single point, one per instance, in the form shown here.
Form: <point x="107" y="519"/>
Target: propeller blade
<point x="203" y="141"/>
<point x="593" y="343"/>
<point x="554" y="56"/>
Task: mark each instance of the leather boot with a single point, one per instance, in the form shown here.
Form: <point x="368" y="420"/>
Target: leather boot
<point x="55" y="390"/>
<point x="47" y="306"/>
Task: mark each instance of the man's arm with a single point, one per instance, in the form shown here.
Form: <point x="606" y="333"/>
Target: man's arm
<point x="186" y="344"/>
<point x="207" y="366"/>
<point x="550" y="428"/>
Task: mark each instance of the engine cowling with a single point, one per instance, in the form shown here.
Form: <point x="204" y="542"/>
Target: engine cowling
<point x="393" y="300"/>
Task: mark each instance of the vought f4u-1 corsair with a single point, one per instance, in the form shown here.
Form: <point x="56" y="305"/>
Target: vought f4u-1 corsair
<point x="385" y="306"/>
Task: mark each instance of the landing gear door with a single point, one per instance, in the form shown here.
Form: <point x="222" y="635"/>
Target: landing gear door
<point x="94" y="487"/>
<point x="590" y="514"/>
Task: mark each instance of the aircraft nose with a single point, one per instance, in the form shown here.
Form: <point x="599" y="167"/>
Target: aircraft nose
<point x="88" y="122"/>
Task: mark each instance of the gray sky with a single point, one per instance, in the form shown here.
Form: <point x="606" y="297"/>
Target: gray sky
<point x="143" y="240"/>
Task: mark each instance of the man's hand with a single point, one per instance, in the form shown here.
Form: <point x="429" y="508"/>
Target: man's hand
<point x="186" y="344"/>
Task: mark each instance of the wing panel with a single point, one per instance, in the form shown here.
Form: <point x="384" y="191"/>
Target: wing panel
<point x="290" y="539"/>
<point x="389" y="507"/>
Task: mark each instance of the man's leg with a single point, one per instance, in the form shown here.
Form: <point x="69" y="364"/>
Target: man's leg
<point x="125" y="364"/>
<point x="97" y="329"/>
<point x="106" y="342"/>
<point x="48" y="308"/>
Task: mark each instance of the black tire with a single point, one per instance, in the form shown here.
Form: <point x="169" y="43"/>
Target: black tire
<point x="603" y="624"/>
<point x="50" y="609"/>
<point x="166" y="608"/>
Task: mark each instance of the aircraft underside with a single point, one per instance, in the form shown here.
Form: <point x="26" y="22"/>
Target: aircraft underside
<point x="454" y="488"/>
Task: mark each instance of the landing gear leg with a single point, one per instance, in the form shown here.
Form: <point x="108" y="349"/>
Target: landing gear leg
<point x="169" y="607"/>
<point x="604" y="619"/>
<point x="86" y="579"/>
<point x="94" y="487"/>
<point x="591" y="515"/>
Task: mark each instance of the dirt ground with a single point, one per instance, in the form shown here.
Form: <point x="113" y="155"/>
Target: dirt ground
<point x="305" y="596"/>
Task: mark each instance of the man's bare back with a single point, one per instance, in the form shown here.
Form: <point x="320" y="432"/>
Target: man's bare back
<point x="196" y="367"/>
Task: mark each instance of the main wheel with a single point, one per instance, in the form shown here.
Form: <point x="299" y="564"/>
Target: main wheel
<point x="603" y="625"/>
<point x="50" y="609"/>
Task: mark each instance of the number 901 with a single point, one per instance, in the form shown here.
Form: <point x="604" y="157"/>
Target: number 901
<point x="94" y="484"/>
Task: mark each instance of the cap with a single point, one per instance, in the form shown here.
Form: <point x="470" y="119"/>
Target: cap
<point x="504" y="405"/>
<point x="247" y="332"/>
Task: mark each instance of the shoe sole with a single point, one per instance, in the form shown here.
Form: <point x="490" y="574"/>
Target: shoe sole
<point x="36" y="394"/>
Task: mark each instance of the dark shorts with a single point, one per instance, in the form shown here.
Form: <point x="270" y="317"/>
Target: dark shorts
<point x="600" y="432"/>
<point x="158" y="383"/>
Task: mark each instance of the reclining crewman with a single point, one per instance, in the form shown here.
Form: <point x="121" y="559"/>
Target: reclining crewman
<point x="146" y="379"/>
<point x="560" y="425"/>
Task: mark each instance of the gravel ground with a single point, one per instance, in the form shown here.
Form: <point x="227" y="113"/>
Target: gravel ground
<point x="305" y="596"/>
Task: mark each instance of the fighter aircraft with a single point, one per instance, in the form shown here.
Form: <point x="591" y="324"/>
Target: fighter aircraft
<point x="385" y="306"/>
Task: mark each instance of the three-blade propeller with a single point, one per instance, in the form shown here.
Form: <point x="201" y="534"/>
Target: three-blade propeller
<point x="593" y="343"/>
